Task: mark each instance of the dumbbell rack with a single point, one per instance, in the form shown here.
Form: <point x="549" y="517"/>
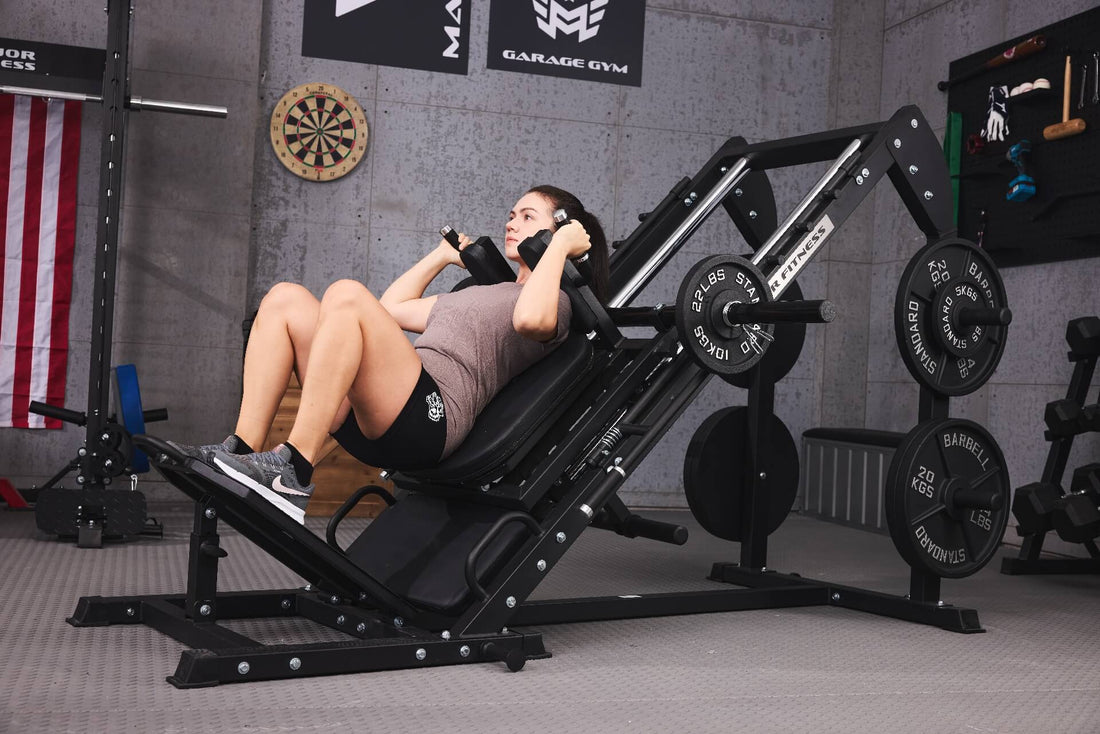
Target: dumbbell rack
<point x="1028" y="561"/>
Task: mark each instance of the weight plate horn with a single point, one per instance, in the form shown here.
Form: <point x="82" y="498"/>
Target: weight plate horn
<point x="711" y="288"/>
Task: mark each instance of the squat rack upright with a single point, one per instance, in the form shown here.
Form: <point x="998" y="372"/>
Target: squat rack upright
<point x="92" y="472"/>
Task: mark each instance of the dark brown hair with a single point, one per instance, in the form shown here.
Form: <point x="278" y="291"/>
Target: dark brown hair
<point x="597" y="254"/>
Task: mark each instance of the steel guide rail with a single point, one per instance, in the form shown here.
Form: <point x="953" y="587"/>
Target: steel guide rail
<point x="903" y="147"/>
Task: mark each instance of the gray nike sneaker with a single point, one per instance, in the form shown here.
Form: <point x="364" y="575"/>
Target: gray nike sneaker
<point x="271" y="475"/>
<point x="205" y="454"/>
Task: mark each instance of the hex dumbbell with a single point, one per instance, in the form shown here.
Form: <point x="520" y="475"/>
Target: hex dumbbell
<point x="1032" y="505"/>
<point x="1076" y="517"/>
<point x="1086" y="478"/>
<point x="1090" y="418"/>
<point x="1083" y="336"/>
<point x="1063" y="418"/>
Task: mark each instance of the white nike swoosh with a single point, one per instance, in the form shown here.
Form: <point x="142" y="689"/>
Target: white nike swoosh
<point x="278" y="486"/>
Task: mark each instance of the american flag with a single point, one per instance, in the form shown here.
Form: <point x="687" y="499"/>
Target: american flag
<point x="39" y="158"/>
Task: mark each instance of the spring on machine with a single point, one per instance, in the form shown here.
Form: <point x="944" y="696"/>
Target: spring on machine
<point x="608" y="440"/>
<point x="603" y="446"/>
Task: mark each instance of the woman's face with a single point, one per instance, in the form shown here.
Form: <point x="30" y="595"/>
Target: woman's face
<point x="530" y="214"/>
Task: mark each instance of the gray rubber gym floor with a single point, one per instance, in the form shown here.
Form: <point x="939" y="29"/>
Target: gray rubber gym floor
<point x="818" y="669"/>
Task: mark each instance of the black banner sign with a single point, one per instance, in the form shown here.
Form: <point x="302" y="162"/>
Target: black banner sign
<point x="51" y="66"/>
<point x="432" y="35"/>
<point x="597" y="40"/>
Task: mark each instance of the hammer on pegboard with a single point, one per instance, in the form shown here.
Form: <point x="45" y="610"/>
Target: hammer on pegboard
<point x="1066" y="127"/>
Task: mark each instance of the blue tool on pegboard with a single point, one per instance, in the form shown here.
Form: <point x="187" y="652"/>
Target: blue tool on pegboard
<point x="130" y="414"/>
<point x="1022" y="187"/>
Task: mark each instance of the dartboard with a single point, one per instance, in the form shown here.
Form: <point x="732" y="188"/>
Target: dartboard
<point x="319" y="131"/>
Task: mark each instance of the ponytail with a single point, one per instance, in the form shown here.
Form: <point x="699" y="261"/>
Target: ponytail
<point x="597" y="254"/>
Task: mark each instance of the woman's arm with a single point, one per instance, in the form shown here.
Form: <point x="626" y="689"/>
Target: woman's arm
<point x="404" y="298"/>
<point x="536" y="312"/>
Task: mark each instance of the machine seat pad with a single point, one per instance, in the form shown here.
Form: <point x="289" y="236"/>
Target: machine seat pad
<point x="418" y="548"/>
<point x="516" y="414"/>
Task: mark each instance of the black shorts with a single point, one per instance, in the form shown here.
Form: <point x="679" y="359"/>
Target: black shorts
<point x="414" y="441"/>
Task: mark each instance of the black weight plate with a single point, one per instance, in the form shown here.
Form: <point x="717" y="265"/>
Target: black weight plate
<point x="940" y="279"/>
<point x="714" y="472"/>
<point x="784" y="351"/>
<point x="935" y="463"/>
<point x="709" y="285"/>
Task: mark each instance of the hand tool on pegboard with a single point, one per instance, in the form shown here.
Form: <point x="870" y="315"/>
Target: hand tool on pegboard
<point x="1066" y="127"/>
<point x="1096" y="77"/>
<point x="1019" y="51"/>
<point x="1084" y="84"/>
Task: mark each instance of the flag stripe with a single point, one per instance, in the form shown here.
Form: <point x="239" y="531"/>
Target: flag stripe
<point x="28" y="272"/>
<point x="13" y="253"/>
<point x="39" y="159"/>
<point x="47" y="254"/>
<point x="69" y="166"/>
<point x="7" y="115"/>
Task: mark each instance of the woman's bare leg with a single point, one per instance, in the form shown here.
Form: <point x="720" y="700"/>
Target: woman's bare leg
<point x="358" y="352"/>
<point x="280" y="341"/>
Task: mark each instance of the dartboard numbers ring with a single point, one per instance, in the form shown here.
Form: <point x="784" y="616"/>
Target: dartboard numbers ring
<point x="319" y="131"/>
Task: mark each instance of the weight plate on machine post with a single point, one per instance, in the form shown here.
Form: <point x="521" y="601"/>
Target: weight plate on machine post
<point x="784" y="352"/>
<point x="944" y="285"/>
<point x="714" y="472"/>
<point x="708" y="287"/>
<point x="947" y="497"/>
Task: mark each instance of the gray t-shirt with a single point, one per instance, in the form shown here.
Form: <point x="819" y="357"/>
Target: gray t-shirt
<point x="471" y="350"/>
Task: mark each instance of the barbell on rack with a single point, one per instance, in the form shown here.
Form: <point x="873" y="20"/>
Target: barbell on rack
<point x="133" y="102"/>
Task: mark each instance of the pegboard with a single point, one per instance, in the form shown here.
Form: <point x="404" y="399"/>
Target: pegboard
<point x="1062" y="220"/>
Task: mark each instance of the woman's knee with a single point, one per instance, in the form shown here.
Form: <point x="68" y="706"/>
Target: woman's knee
<point x="290" y="297"/>
<point x="347" y="294"/>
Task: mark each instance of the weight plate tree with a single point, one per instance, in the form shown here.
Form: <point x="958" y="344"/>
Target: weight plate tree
<point x="319" y="131"/>
<point x="714" y="477"/>
<point x="947" y="497"/>
<point x="710" y="286"/>
<point x="951" y="317"/>
<point x="784" y="351"/>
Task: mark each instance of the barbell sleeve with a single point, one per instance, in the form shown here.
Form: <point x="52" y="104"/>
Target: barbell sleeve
<point x="182" y="108"/>
<point x="49" y="93"/>
<point x="977" y="316"/>
<point x="974" y="498"/>
<point x="806" y="312"/>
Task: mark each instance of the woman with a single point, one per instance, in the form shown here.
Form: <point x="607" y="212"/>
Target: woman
<point x="388" y="402"/>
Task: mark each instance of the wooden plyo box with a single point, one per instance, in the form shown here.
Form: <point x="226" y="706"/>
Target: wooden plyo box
<point x="336" y="475"/>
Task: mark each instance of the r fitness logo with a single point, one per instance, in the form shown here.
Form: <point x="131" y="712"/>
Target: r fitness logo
<point x="584" y="19"/>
